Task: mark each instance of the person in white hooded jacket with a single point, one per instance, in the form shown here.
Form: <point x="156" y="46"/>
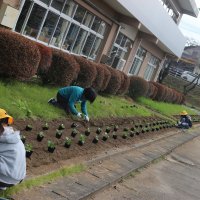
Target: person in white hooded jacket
<point x="12" y="153"/>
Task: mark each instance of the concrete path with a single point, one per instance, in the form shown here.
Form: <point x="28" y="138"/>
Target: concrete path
<point x="104" y="171"/>
<point x="176" y="177"/>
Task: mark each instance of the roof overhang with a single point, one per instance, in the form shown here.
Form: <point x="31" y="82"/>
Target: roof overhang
<point x="154" y="20"/>
<point x="189" y="7"/>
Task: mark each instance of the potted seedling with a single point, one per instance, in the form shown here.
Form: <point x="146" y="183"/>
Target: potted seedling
<point x="136" y="125"/>
<point x="29" y="127"/>
<point x="143" y="130"/>
<point x="98" y="131"/>
<point x="29" y="150"/>
<point x="45" y="126"/>
<point x="58" y="133"/>
<point x="51" y="146"/>
<point x="23" y="138"/>
<point x="81" y="139"/>
<point x="68" y="142"/>
<point x="114" y="135"/>
<point x="74" y="125"/>
<point x="40" y="136"/>
<point x="87" y="132"/>
<point x="74" y="132"/>
<point x="107" y="129"/>
<point x="132" y="133"/>
<point x="126" y="129"/>
<point x="152" y="129"/>
<point x="116" y="127"/>
<point x="125" y="135"/>
<point x="105" y="136"/>
<point x="137" y="132"/>
<point x="61" y="127"/>
<point x="96" y="139"/>
<point x="132" y="129"/>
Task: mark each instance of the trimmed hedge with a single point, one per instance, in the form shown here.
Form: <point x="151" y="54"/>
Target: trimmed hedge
<point x="161" y="93"/>
<point x="19" y="56"/>
<point x="114" y="83"/>
<point x="107" y="76"/>
<point x="63" y="70"/>
<point x="45" y="61"/>
<point x="125" y="82"/>
<point x="138" y="87"/>
<point x="87" y="73"/>
<point x="99" y="80"/>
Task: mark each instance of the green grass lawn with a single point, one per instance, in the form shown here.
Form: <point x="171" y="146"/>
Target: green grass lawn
<point x="24" y="100"/>
<point x="168" y="109"/>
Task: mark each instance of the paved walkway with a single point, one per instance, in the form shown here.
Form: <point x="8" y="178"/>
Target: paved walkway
<point x="176" y="177"/>
<point x="103" y="172"/>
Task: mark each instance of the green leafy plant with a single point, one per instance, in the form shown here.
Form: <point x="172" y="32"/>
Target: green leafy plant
<point x="74" y="132"/>
<point x="68" y="142"/>
<point x="96" y="139"/>
<point x="28" y="127"/>
<point x="23" y="138"/>
<point x="40" y="136"/>
<point x="45" y="126"/>
<point x="23" y="106"/>
<point x="51" y="146"/>
<point x="125" y="135"/>
<point x="126" y="129"/>
<point x="107" y="129"/>
<point x="116" y="127"/>
<point x="105" y="136"/>
<point x="29" y="150"/>
<point x="98" y="131"/>
<point x="81" y="139"/>
<point x="74" y="125"/>
<point x="114" y="135"/>
<point x="132" y="133"/>
<point x="87" y="132"/>
<point x="61" y="127"/>
<point x="58" y="133"/>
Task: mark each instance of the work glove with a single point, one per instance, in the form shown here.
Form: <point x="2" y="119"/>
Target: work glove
<point x="79" y="115"/>
<point x="86" y="118"/>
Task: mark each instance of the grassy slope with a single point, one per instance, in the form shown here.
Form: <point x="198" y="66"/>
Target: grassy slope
<point x="165" y="108"/>
<point x="23" y="100"/>
<point x="19" y="99"/>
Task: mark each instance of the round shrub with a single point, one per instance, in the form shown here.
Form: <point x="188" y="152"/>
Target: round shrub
<point x="107" y="76"/>
<point x="98" y="82"/>
<point x="87" y="73"/>
<point x="125" y="82"/>
<point x="63" y="70"/>
<point x="161" y="93"/>
<point x="114" y="83"/>
<point x="19" y="56"/>
<point x="151" y="89"/>
<point x="45" y="61"/>
<point x="138" y="87"/>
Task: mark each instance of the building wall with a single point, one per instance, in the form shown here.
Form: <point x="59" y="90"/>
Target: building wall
<point x="117" y="22"/>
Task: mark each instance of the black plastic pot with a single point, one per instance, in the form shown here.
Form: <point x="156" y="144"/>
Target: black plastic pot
<point x="28" y="154"/>
<point x="39" y="138"/>
<point x="95" y="141"/>
<point x="51" y="149"/>
<point x="115" y="136"/>
<point x="87" y="133"/>
<point x="58" y="136"/>
<point x="67" y="145"/>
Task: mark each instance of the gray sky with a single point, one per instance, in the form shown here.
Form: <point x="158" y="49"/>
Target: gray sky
<point x="190" y="26"/>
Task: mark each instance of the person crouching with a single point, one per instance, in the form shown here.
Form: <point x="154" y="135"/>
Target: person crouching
<point x="12" y="153"/>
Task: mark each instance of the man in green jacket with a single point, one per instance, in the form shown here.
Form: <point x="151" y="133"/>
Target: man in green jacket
<point x="67" y="97"/>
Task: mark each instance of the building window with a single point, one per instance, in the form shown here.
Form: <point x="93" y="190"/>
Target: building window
<point x="171" y="9"/>
<point x="63" y="24"/>
<point x="138" y="60"/>
<point x="120" y="51"/>
<point x="152" y="64"/>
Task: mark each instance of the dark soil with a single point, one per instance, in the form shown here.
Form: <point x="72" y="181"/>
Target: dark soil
<point x="42" y="161"/>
